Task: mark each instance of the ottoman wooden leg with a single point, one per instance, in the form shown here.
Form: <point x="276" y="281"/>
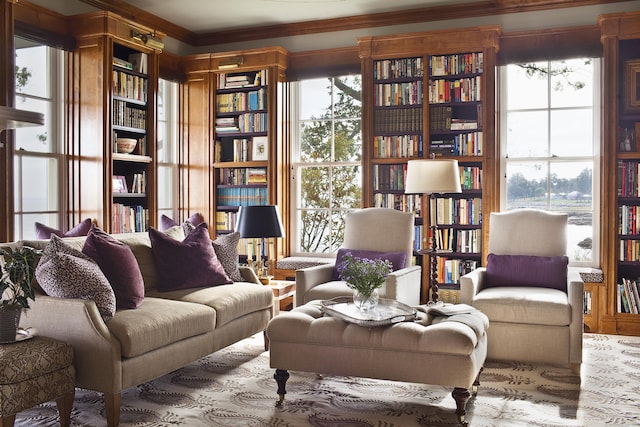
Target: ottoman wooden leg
<point x="65" y="404"/>
<point x="461" y="396"/>
<point x="281" y="376"/>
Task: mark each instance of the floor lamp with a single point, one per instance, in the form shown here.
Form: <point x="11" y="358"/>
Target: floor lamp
<point x="430" y="177"/>
<point x="258" y="223"/>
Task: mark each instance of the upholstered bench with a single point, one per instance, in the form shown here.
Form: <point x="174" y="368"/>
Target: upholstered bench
<point x="436" y="351"/>
<point x="36" y="371"/>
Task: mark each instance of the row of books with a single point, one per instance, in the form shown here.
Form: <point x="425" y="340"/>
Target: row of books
<point x="129" y="219"/>
<point x="457" y="211"/>
<point x="226" y="220"/>
<point x="241" y="196"/>
<point x="129" y="86"/>
<point x="417" y="237"/>
<point x="398" y="146"/>
<point x="242" y="101"/>
<point x="234" y="150"/>
<point x="139" y="183"/>
<point x="397" y="120"/>
<point x="470" y="177"/>
<point x="242" y="176"/>
<point x="464" y="144"/>
<point x="629" y="219"/>
<point x="450" y="270"/>
<point x="244" y="123"/>
<point x="392" y="94"/>
<point x="629" y="250"/>
<point x="464" y="63"/>
<point x="389" y="177"/>
<point x="629" y="178"/>
<point x="401" y="202"/>
<point x="629" y="296"/>
<point x="460" y="241"/>
<point x="242" y="79"/>
<point x="441" y="118"/>
<point x="125" y="115"/>
<point x="460" y="90"/>
<point x="398" y="68"/>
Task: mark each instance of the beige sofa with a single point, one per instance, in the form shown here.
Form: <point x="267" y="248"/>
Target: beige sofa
<point x="166" y="332"/>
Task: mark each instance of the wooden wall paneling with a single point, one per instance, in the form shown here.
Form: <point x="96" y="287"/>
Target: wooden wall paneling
<point x="323" y="63"/>
<point x="7" y="94"/>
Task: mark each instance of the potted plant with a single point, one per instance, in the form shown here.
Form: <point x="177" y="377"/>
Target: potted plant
<point x="15" y="288"/>
<point x="365" y="276"/>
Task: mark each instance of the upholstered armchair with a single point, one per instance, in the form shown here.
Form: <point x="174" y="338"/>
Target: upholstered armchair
<point x="533" y="300"/>
<point x="379" y="230"/>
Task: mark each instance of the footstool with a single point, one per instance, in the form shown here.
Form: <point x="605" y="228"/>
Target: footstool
<point x="427" y="351"/>
<point x="35" y="371"/>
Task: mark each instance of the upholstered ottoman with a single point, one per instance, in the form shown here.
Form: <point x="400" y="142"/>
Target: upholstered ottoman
<point x="36" y="371"/>
<point x="437" y="351"/>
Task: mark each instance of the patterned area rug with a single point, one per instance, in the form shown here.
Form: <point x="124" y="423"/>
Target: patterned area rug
<point x="235" y="387"/>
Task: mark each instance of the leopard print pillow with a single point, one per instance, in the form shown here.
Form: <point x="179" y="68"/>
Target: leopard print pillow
<point x="65" y="272"/>
<point x="226" y="247"/>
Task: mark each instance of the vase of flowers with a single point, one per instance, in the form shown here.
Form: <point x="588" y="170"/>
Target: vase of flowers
<point x="365" y="276"/>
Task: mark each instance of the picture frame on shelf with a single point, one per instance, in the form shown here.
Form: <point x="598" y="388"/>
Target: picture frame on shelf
<point x="119" y="184"/>
<point x="259" y="149"/>
<point x="631" y="87"/>
<point x="627" y="140"/>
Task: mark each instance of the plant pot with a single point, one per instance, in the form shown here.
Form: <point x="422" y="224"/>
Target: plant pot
<point x="9" y="321"/>
<point x="366" y="301"/>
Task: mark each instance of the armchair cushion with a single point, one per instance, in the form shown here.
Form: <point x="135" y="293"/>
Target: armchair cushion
<point x="397" y="259"/>
<point x="527" y="270"/>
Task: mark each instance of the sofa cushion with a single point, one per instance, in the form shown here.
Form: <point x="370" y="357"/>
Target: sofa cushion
<point x="167" y="222"/>
<point x="158" y="322"/>
<point x="230" y="302"/>
<point x="226" y="248"/>
<point x="397" y="259"/>
<point x="524" y="305"/>
<point x="65" y="272"/>
<point x="191" y="263"/>
<point x="44" y="231"/>
<point x="119" y="265"/>
<point x="527" y="270"/>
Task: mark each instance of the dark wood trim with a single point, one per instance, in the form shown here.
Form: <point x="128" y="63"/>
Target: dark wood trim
<point x="323" y="63"/>
<point x="401" y="17"/>
<point x="43" y="25"/>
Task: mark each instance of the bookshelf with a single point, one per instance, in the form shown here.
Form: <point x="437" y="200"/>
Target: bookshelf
<point x="131" y="167"/>
<point x="621" y="147"/>
<point x="423" y="97"/>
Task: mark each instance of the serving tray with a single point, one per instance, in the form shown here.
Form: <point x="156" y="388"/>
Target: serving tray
<point x="21" y="335"/>
<point x="387" y="312"/>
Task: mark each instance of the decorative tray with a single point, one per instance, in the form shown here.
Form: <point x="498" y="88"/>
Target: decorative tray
<point x="387" y="312"/>
<point x="21" y="335"/>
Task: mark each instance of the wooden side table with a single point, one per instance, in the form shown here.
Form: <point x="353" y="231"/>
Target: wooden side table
<point x="284" y="292"/>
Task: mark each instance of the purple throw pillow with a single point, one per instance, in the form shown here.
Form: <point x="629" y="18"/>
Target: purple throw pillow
<point x="191" y="263"/>
<point x="44" y="232"/>
<point x="119" y="265"/>
<point x="527" y="270"/>
<point x="166" y="222"/>
<point x="397" y="259"/>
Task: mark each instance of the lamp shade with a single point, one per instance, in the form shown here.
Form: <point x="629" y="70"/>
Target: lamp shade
<point x="431" y="176"/>
<point x="261" y="221"/>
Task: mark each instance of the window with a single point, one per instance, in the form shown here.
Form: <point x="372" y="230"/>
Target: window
<point x="327" y="155"/>
<point x="37" y="156"/>
<point x="167" y="155"/>
<point x="549" y="144"/>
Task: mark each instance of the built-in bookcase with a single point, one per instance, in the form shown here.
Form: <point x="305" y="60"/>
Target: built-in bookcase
<point x="621" y="124"/>
<point x="424" y="96"/>
<point x="241" y="144"/>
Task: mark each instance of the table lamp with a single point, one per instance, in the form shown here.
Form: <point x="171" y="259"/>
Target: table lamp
<point x="430" y="177"/>
<point x="258" y="223"/>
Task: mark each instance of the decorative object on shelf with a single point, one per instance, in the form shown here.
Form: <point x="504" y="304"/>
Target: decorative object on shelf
<point x="431" y="176"/>
<point x="260" y="148"/>
<point x="365" y="276"/>
<point x="126" y="145"/>
<point x="632" y="86"/>
<point x="148" y="39"/>
<point x="259" y="222"/>
<point x="16" y="288"/>
<point x="119" y="184"/>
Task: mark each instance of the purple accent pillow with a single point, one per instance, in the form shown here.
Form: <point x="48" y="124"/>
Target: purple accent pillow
<point x="166" y="222"/>
<point x="527" y="270"/>
<point x="397" y="259"/>
<point x="44" y="232"/>
<point x="119" y="265"/>
<point x="191" y="263"/>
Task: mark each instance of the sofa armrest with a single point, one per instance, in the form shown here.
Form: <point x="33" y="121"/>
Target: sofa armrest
<point x="575" y="293"/>
<point x="96" y="352"/>
<point x="471" y="283"/>
<point x="404" y="285"/>
<point x="307" y="278"/>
